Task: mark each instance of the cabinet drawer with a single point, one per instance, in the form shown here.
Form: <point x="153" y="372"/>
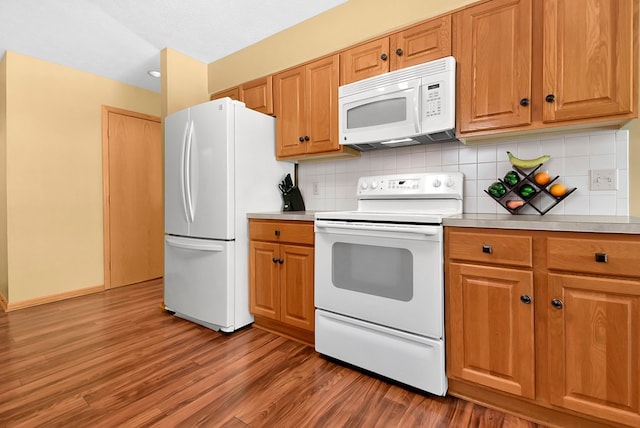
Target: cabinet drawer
<point x="300" y="232"/>
<point x="610" y="257"/>
<point x="510" y="250"/>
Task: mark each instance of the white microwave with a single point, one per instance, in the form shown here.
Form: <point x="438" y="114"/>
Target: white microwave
<point x="410" y="106"/>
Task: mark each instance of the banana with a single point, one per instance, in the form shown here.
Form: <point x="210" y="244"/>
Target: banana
<point x="527" y="163"/>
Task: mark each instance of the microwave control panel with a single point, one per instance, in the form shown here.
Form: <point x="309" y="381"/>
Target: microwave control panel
<point x="432" y="100"/>
<point x="437" y="93"/>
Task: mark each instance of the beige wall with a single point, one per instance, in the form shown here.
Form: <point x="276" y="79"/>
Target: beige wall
<point x="184" y="81"/>
<point x="4" y="287"/>
<point x="350" y="23"/>
<point x="54" y="174"/>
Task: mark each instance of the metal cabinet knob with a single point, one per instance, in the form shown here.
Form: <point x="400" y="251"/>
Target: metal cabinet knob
<point x="550" y="98"/>
<point x="525" y="102"/>
<point x="280" y="261"/>
<point x="383" y="57"/>
<point x="275" y="260"/>
<point x="526" y="299"/>
<point x="602" y="258"/>
<point x="399" y="52"/>
<point x="301" y="139"/>
<point x="557" y="303"/>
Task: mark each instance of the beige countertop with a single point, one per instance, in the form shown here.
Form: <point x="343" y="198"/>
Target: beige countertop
<point x="284" y="215"/>
<point x="566" y="223"/>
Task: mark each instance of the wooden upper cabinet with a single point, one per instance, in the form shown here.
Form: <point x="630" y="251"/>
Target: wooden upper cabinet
<point x="589" y="57"/>
<point x="581" y="71"/>
<point x="233" y="93"/>
<point x="258" y="94"/>
<point x="493" y="53"/>
<point x="306" y="107"/>
<point x="290" y="111"/>
<point x="423" y="42"/>
<point x="322" y="105"/>
<point x="363" y="61"/>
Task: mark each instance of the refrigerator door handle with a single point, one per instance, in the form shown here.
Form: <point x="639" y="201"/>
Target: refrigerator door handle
<point x="197" y="246"/>
<point x="186" y="171"/>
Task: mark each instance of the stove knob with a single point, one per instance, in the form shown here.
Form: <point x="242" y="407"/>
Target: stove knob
<point x="374" y="184"/>
<point x="363" y="184"/>
<point x="449" y="182"/>
<point x="436" y="182"/>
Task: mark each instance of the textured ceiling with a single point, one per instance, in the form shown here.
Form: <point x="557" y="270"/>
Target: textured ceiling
<point x="122" y="39"/>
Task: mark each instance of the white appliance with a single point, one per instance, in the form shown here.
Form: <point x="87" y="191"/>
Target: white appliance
<point x="219" y="165"/>
<point x="379" y="279"/>
<point x="409" y="106"/>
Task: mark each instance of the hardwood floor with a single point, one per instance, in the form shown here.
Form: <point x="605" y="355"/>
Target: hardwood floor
<point x="118" y="359"/>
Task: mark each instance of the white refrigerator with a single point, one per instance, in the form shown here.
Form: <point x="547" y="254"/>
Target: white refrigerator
<point x="219" y="164"/>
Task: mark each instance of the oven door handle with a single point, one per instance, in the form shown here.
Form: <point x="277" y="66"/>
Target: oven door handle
<point x="428" y="230"/>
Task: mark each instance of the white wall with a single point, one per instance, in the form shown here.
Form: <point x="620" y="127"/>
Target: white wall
<point x="572" y="158"/>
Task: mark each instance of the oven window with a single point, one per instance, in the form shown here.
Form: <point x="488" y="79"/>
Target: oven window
<point x="377" y="113"/>
<point x="379" y="271"/>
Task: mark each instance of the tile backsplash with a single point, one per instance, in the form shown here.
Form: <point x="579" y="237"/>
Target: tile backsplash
<point x="331" y="184"/>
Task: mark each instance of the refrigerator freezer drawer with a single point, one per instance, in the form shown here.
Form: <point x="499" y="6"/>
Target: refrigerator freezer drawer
<point x="198" y="281"/>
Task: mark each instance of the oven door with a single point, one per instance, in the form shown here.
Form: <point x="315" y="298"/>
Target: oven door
<point x="388" y="274"/>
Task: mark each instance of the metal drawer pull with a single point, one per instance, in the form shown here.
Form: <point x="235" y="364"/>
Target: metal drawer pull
<point x="487" y="249"/>
<point x="277" y="232"/>
<point x="602" y="257"/>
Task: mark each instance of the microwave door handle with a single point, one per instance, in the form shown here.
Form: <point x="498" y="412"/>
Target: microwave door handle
<point x="417" y="105"/>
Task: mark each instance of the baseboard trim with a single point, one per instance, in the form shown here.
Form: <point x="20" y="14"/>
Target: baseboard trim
<point x="14" y="306"/>
<point x="3" y="302"/>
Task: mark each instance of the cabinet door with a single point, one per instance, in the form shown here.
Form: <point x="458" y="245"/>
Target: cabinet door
<point x="233" y="93"/>
<point x="420" y="43"/>
<point x="594" y="346"/>
<point x="366" y="60"/>
<point x="589" y="56"/>
<point x="322" y="105"/>
<point x="491" y="330"/>
<point x="263" y="279"/>
<point x="258" y="94"/>
<point x="290" y="110"/>
<point x="296" y="282"/>
<point x="493" y="55"/>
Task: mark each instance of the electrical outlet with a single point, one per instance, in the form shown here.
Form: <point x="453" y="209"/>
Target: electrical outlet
<point x="315" y="187"/>
<point x="604" y="179"/>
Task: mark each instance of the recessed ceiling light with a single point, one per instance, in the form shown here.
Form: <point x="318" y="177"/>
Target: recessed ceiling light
<point x="154" y="73"/>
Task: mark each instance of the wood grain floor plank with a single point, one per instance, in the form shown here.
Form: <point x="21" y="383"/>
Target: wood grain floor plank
<point x="117" y="359"/>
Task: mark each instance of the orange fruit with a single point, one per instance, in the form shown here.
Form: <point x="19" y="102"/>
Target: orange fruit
<point x="558" y="190"/>
<point x="541" y="178"/>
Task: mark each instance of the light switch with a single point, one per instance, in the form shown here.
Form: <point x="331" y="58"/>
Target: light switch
<point x="604" y="179"/>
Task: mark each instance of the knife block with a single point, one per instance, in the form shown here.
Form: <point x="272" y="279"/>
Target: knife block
<point x="292" y="200"/>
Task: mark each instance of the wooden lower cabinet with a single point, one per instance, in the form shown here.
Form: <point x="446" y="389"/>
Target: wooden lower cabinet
<point x="557" y="342"/>
<point x="492" y="338"/>
<point x="281" y="267"/>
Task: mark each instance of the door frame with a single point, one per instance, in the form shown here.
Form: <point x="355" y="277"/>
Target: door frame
<point x="106" y="207"/>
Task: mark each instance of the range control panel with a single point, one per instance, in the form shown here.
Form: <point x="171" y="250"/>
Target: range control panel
<point x="408" y="186"/>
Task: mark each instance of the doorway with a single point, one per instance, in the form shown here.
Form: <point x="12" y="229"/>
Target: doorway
<point x="133" y="197"/>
